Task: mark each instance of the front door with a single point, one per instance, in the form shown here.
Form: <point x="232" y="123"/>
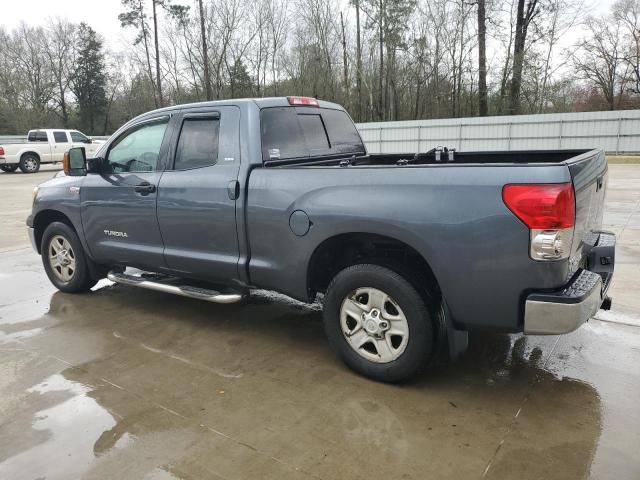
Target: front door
<point x="60" y="146"/>
<point x="119" y="204"/>
<point x="197" y="194"/>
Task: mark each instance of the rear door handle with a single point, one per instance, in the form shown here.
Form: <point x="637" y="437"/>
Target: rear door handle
<point x="145" y="188"/>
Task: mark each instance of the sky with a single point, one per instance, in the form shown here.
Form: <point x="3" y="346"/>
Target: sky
<point x="102" y="15"/>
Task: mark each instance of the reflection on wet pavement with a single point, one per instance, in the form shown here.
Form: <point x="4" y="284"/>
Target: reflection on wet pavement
<point x="123" y="383"/>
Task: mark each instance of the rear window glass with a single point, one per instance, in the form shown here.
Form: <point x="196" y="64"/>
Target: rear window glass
<point x="301" y="132"/>
<point x="38" y="136"/>
<point x="281" y="134"/>
<point x="314" y="133"/>
<point x="342" y="132"/>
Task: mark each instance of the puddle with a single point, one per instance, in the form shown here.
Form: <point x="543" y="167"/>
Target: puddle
<point x="70" y="429"/>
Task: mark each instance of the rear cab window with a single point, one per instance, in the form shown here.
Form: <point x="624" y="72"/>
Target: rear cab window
<point x="37" y="136"/>
<point x="292" y="133"/>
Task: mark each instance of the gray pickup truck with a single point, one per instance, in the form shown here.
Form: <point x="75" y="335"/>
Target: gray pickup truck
<point x="410" y="252"/>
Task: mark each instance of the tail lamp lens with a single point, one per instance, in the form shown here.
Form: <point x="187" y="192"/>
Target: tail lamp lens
<point x="542" y="206"/>
<point x="1" y="151"/>
<point x="549" y="211"/>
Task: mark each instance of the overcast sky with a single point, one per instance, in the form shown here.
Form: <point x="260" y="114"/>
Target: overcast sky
<point x="102" y="15"/>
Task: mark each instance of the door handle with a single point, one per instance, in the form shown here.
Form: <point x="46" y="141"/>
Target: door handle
<point x="233" y="189"/>
<point x="145" y="188"/>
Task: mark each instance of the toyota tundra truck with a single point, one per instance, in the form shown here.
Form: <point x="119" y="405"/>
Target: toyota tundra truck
<point x="408" y="252"/>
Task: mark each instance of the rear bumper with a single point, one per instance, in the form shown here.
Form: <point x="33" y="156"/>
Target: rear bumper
<point x="564" y="310"/>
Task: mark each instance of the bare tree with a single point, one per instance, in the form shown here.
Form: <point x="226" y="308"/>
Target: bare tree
<point x="526" y="12"/>
<point x="601" y="59"/>
<point x="483" y="108"/>
<point x="61" y="37"/>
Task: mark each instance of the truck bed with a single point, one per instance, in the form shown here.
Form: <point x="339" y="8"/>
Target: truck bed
<point x="521" y="156"/>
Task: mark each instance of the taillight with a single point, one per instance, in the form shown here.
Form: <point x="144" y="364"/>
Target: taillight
<point x="303" y="101"/>
<point x="549" y="211"/>
<point x="1" y="150"/>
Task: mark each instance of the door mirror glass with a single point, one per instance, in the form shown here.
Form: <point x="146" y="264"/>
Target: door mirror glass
<point x="75" y="162"/>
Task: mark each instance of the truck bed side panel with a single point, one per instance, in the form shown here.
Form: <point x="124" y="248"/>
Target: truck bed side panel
<point x="453" y="216"/>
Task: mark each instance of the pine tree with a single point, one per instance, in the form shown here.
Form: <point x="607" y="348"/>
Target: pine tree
<point x="88" y="79"/>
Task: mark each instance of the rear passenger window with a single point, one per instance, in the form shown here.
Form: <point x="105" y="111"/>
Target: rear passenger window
<point x="60" y="137"/>
<point x="198" y="143"/>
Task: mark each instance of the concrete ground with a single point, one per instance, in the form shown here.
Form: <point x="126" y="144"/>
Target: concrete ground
<point x="128" y="383"/>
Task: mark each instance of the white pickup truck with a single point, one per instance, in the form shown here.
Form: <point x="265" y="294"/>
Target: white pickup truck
<point x="43" y="146"/>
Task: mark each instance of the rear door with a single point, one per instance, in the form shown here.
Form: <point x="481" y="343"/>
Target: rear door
<point x="119" y="204"/>
<point x="197" y="194"/>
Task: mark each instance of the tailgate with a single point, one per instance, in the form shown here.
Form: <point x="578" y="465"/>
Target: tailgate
<point x="589" y="175"/>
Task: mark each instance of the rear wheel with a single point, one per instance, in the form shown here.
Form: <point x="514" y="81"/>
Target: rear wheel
<point x="64" y="260"/>
<point x="29" y="163"/>
<point x="378" y="323"/>
<point x="9" y="168"/>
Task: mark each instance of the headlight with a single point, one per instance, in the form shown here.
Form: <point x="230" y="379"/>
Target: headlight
<point x="35" y="193"/>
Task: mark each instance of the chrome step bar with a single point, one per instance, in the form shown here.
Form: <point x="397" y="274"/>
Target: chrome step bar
<point x="182" y="290"/>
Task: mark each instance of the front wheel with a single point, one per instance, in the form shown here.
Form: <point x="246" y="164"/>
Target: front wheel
<point x="29" y="163"/>
<point x="378" y="323"/>
<point x="9" y="168"/>
<point x="64" y="260"/>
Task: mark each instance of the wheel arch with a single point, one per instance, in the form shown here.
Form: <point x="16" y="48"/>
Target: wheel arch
<point x="342" y="250"/>
<point x="43" y="219"/>
<point x="30" y="152"/>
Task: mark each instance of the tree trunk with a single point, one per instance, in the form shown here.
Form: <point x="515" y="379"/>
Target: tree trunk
<point x="483" y="108"/>
<point x="345" y="73"/>
<point x="205" y="54"/>
<point x="380" y="79"/>
<point x="145" y="37"/>
<point x="358" y="61"/>
<point x="522" y="23"/>
<point x="155" y="37"/>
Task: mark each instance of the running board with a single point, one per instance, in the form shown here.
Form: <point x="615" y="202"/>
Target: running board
<point x="182" y="290"/>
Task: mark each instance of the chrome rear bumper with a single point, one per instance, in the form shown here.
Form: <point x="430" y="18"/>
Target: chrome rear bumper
<point x="564" y="310"/>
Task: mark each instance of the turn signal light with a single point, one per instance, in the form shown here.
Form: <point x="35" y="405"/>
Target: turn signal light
<point x="542" y="206"/>
<point x="303" y="101"/>
<point x="65" y="163"/>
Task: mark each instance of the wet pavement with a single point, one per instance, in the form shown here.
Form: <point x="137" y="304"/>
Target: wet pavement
<point x="128" y="383"/>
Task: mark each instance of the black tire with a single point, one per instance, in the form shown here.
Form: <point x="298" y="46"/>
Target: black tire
<point x="29" y="163"/>
<point x="9" y="168"/>
<point x="420" y="343"/>
<point x="81" y="280"/>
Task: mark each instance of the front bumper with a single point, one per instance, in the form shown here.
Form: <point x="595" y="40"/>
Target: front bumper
<point x="564" y="310"/>
<point x="32" y="237"/>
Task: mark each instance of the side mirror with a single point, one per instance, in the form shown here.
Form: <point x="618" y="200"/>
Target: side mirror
<point x="74" y="163"/>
